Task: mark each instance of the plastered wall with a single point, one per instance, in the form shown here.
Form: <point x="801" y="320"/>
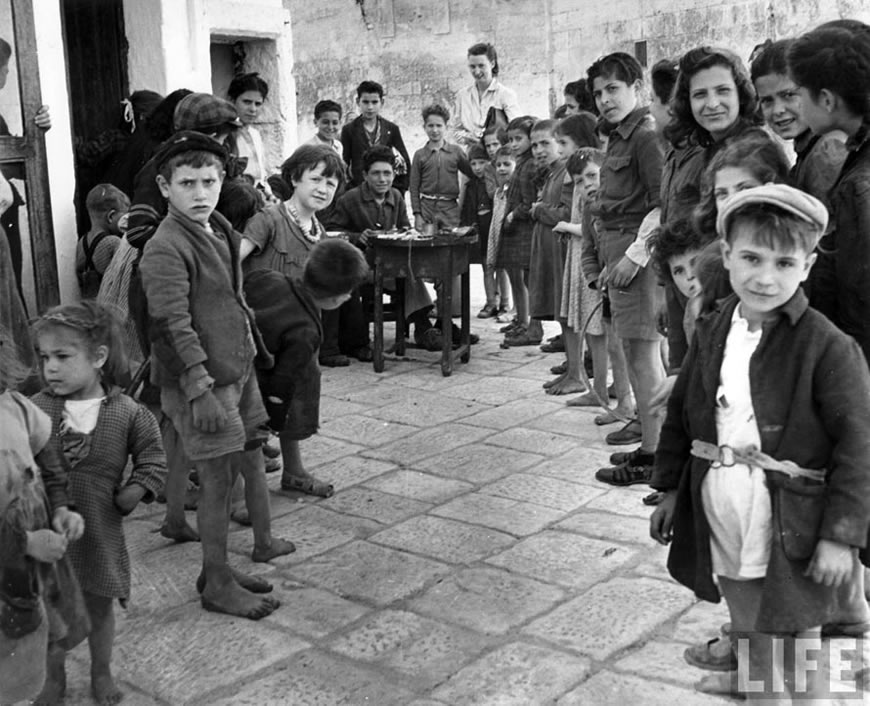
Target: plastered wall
<point x="417" y="48"/>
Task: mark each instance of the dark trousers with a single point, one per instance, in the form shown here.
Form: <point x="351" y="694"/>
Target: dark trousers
<point x="344" y="329"/>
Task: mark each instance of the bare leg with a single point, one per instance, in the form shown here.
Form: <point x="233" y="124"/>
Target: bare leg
<point x="295" y="477"/>
<point x="621" y="379"/>
<point x="100" y="641"/>
<point x="489" y="285"/>
<point x="570" y="383"/>
<point x="238" y="508"/>
<point x="598" y="350"/>
<point x="175" y="525"/>
<point x="504" y="289"/>
<point x="221" y="593"/>
<point x="645" y="361"/>
<point x="55" y="677"/>
<point x="520" y="294"/>
<point x="253" y="470"/>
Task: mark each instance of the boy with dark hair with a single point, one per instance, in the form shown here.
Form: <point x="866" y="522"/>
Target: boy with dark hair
<point x="107" y="205"/>
<point x="435" y="173"/>
<point x="819" y="158"/>
<point x="287" y="311"/>
<point x="630" y="191"/>
<point x="663" y="77"/>
<point x="327" y="119"/>
<point x="369" y="129"/>
<point x="202" y="357"/>
<point x="762" y="457"/>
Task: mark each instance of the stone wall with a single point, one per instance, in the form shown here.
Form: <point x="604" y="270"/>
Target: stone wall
<point x="417" y="48"/>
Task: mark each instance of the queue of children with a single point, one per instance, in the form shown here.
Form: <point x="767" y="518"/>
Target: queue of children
<point x="719" y="286"/>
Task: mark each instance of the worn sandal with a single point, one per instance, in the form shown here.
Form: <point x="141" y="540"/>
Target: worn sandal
<point x="309" y="486"/>
<point x="624" y="475"/>
<point x="715" y="655"/>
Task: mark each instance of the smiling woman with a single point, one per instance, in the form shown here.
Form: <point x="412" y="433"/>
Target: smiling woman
<point x="474" y="102"/>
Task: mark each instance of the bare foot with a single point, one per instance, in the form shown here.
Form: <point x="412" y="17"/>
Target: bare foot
<point x="52" y="693"/>
<point x="104" y="691"/>
<point x="607" y="418"/>
<point x="566" y="386"/>
<point x="555" y="381"/>
<point x="254" y="584"/>
<point x="278" y="547"/>
<point x="587" y="400"/>
<point x="241" y="516"/>
<point x="232" y="599"/>
<point x="180" y="533"/>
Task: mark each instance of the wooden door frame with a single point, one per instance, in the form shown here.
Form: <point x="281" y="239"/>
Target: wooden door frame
<point x="30" y="150"/>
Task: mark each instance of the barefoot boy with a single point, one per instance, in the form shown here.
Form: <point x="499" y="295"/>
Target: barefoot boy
<point x="202" y="356"/>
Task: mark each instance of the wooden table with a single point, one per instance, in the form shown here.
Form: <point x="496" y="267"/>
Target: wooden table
<point x="441" y="257"/>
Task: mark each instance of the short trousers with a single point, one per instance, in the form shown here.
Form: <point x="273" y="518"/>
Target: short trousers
<point x="634" y="308"/>
<point x="246" y="419"/>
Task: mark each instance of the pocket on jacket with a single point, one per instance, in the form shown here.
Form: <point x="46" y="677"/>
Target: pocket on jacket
<point x="617" y="179"/>
<point x="798" y="509"/>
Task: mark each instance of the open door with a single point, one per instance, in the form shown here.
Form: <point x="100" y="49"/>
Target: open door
<point x="22" y="149"/>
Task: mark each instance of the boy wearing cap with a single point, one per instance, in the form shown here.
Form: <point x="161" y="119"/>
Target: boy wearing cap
<point x="762" y="456"/>
<point x="202" y="357"/>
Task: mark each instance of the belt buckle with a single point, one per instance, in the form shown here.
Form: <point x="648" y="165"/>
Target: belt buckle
<point x="726" y="456"/>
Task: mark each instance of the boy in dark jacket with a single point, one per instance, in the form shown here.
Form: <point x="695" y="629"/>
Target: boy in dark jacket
<point x="763" y="453"/>
<point x="287" y="311"/>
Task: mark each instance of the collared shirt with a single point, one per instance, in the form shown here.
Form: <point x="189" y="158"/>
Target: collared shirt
<point x="631" y="174"/>
<point x="472" y="108"/>
<point x="358" y="210"/>
<point x="435" y="172"/>
<point x="335" y="143"/>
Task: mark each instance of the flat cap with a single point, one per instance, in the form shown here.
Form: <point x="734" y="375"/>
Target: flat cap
<point x="795" y="201"/>
<point x="189" y="141"/>
<point x="204" y="112"/>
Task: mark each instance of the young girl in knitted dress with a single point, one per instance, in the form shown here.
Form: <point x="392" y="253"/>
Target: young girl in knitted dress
<point x="98" y="429"/>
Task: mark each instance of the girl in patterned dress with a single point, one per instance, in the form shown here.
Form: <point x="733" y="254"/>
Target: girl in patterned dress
<point x="99" y="429"/>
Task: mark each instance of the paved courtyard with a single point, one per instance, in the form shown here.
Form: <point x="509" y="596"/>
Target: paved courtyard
<point x="467" y="557"/>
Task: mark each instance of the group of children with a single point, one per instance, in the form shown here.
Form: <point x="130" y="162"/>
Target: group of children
<point x="673" y="238"/>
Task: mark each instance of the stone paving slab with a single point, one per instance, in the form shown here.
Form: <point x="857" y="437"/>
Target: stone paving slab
<point x="164" y="578"/>
<point x="511" y="414"/>
<point x="78" y="680"/>
<point x="532" y="440"/>
<point x="478" y="463"/>
<point x="517" y="674"/>
<point x="623" y="501"/>
<point x="348" y="471"/>
<point x="311" y="612"/>
<point x="428" y="442"/>
<point x="484" y="390"/>
<point x="488" y="600"/>
<point x="601" y="525"/>
<point x="362" y="429"/>
<point x="419" y="486"/>
<point x="321" y="449"/>
<point x="379" y="575"/>
<point x="563" y="558"/>
<point x="611" y="616"/>
<point x="313" y="530"/>
<point x="333" y="407"/>
<point x="573" y="422"/>
<point x="384" y="508"/>
<point x="316" y="678"/>
<point x="543" y="490"/>
<point x="702" y="622"/>
<point x="662" y="661"/>
<point x="426" y="409"/>
<point x="381" y="394"/>
<point x="610" y="688"/>
<point x="447" y="540"/>
<point x="423" y="649"/>
<point x="577" y="466"/>
<point x="431" y="379"/>
<point x="160" y="660"/>
<point x="511" y="516"/>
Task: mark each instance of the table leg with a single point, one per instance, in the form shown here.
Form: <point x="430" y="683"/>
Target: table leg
<point x="378" y="348"/>
<point x="447" y="318"/>
<point x="400" y="316"/>
<point x="465" y="304"/>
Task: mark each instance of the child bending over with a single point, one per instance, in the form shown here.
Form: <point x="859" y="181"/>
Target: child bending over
<point x="763" y="453"/>
<point x="36" y="527"/>
<point x="203" y="344"/>
<point x="100" y="430"/>
<point x="287" y="311"/>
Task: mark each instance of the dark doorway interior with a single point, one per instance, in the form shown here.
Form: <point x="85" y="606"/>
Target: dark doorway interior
<point x="96" y="53"/>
